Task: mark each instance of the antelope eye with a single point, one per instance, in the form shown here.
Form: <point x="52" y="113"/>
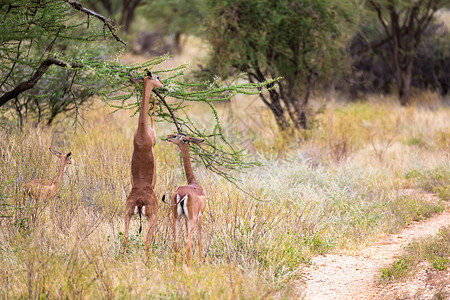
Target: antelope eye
<point x="185" y="141"/>
<point x="157" y="78"/>
<point x="174" y="136"/>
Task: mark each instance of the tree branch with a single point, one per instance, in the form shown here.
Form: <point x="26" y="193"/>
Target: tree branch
<point x="30" y="83"/>
<point x="372" y="46"/>
<point x="112" y="28"/>
<point x="170" y="111"/>
<point x="380" y="16"/>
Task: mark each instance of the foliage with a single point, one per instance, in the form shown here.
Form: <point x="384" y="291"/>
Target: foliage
<point x="59" y="95"/>
<point x="297" y="40"/>
<point x="38" y="35"/>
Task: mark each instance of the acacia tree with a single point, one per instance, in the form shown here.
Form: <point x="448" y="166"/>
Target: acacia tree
<point x="216" y="153"/>
<point x="404" y="22"/>
<point x="298" y="40"/>
<point x="36" y="37"/>
<point x="43" y="46"/>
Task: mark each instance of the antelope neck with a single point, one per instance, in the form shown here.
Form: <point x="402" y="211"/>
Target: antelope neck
<point x="187" y="165"/>
<point x="145" y="105"/>
<point x="62" y="166"/>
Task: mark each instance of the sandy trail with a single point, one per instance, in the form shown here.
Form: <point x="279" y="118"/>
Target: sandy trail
<point x="353" y="277"/>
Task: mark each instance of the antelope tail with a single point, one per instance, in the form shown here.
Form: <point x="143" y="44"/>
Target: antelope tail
<point x="140" y="222"/>
<point x="178" y="200"/>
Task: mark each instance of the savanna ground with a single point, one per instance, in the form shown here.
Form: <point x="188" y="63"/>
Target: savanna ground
<point x="337" y="187"/>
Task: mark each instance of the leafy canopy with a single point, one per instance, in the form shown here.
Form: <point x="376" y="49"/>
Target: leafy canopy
<point x="53" y="52"/>
<point x="267" y="39"/>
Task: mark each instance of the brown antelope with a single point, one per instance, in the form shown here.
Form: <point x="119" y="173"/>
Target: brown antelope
<point x="142" y="199"/>
<point x="188" y="201"/>
<point x="44" y="189"/>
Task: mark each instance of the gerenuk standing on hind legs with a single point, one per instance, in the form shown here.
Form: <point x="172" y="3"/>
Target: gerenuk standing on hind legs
<point x="142" y="199"/>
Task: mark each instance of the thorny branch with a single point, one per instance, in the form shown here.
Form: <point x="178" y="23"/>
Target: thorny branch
<point x="108" y="23"/>
<point x="215" y="154"/>
<point x="170" y="110"/>
<point x="30" y="83"/>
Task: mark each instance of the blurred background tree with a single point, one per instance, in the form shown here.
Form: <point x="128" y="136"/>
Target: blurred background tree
<point x="372" y="70"/>
<point x="404" y="22"/>
<point x="122" y="10"/>
<point x="313" y="45"/>
<point x="175" y="18"/>
<point x="55" y="59"/>
<point x="299" y="40"/>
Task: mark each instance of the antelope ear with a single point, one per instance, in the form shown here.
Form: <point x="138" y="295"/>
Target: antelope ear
<point x="68" y="154"/>
<point x="149" y="73"/>
<point x="196" y="141"/>
<point x="54" y="152"/>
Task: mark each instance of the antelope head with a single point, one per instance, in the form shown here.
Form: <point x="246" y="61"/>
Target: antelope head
<point x="66" y="158"/>
<point x="181" y="139"/>
<point x="155" y="80"/>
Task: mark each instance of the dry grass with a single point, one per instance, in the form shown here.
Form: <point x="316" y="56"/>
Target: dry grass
<point x="336" y="186"/>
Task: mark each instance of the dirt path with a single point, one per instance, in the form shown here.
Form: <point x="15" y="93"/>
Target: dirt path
<point x="353" y="277"/>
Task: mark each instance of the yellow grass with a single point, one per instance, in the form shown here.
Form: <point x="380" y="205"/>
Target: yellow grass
<point x="337" y="186"/>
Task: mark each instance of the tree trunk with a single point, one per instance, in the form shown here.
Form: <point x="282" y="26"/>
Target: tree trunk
<point x="277" y="110"/>
<point x="404" y="89"/>
<point x="274" y="101"/>
<point x="301" y="120"/>
<point x="127" y="15"/>
<point x="407" y="24"/>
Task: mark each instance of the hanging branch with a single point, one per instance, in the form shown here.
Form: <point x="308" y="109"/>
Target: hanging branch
<point x="107" y="22"/>
<point x="169" y="109"/>
<point x="216" y="154"/>
<point x="28" y="54"/>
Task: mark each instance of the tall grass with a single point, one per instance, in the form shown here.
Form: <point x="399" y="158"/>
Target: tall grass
<point x="337" y="186"/>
